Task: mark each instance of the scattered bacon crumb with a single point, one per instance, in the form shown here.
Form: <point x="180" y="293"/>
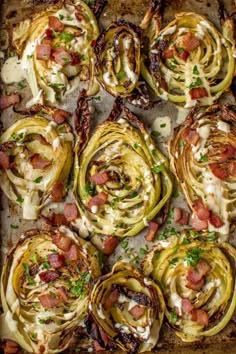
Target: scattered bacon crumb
<point x="227" y="151"/>
<point x="10" y="347"/>
<point x="191" y="136"/>
<point x="60" y="116"/>
<point x="200" y="210"/>
<point x="99" y="178"/>
<point x="70" y="211"/>
<point x="187" y="307"/>
<point x="180" y="216"/>
<point x="112" y="298"/>
<point x="198" y="92"/>
<point x="137" y="311"/>
<point x="109" y="245"/>
<point x="38" y="162"/>
<point x="9" y="100"/>
<point x="97" y="200"/>
<point x="184" y="55"/>
<point x="195" y="286"/>
<point x="48" y="301"/>
<point x="190" y="42"/>
<point x="219" y="171"/>
<point x="56" y="260"/>
<point x="198" y="224"/>
<point x="48" y="276"/>
<point x="55" y="24"/>
<point x="57" y="191"/>
<point x="200" y="316"/>
<point x="5" y="160"/>
<point x="215" y="220"/>
<point x="152" y="230"/>
<point x="73" y="253"/>
<point x="61" y="241"/>
<point x="43" y="51"/>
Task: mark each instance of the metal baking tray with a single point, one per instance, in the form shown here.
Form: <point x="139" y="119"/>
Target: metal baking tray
<point x="13" y="11"/>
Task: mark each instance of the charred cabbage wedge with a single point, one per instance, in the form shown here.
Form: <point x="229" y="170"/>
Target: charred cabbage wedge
<point x="199" y="285"/>
<point x="128" y="307"/>
<point x="122" y="180"/>
<point x="45" y="299"/>
<point x="118" y="58"/>
<point x="56" y="50"/>
<point x="188" y="62"/>
<point x="40" y="152"/>
<point x="202" y="153"/>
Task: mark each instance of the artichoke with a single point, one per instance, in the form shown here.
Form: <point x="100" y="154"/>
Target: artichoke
<point x="202" y="154"/>
<point x="40" y="154"/>
<point x="128" y="307"/>
<point x="56" y="50"/>
<point x="44" y="289"/>
<point x="188" y="62"/>
<point x="118" y="58"/>
<point x="121" y="180"/>
<point x="199" y="285"/>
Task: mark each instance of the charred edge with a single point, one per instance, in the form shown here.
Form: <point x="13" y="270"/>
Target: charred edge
<point x="228" y="112"/>
<point x="222" y="13"/>
<point x="131" y="343"/>
<point x="157" y="6"/>
<point x="116" y="110"/>
<point x="48" y="2"/>
<point x="137" y="296"/>
<point x="141" y="94"/>
<point x="134" y="119"/>
<point x="129" y="25"/>
<point x="82" y="120"/>
<point x="36" y="108"/>
<point x="93" y="330"/>
<point x="98" y="7"/>
<point x="7" y="146"/>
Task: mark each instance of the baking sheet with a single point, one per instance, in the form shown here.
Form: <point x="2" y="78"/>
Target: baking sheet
<point x="12" y="12"/>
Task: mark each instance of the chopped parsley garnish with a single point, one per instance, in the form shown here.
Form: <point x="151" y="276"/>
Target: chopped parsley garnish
<point x="34" y="335"/>
<point x="185" y="241"/>
<point x="195" y="70"/>
<point x="38" y="179"/>
<point x="175" y="193"/>
<point x="155" y="134"/>
<point x="163" y="125"/>
<point x="121" y="75"/>
<point x="52" y="294"/>
<point x="133" y="194"/>
<point x="66" y="36"/>
<point x="143" y="250"/>
<point x="124" y="244"/>
<point x="211" y="236"/>
<point x="29" y="56"/>
<point x="61" y="17"/>
<point x="45" y="265"/>
<point x="20" y="200"/>
<point x="21" y="85"/>
<point x="136" y="145"/>
<point x="193" y="256"/>
<point x="14" y="226"/>
<point x="173" y="262"/>
<point x="127" y="188"/>
<point x="66" y="60"/>
<point x="180" y="49"/>
<point x="181" y="143"/>
<point x="27" y="273"/>
<point x="17" y="137"/>
<point x="203" y="158"/>
<point x="114" y="201"/>
<point x="197" y="83"/>
<point x="168" y="231"/>
<point x="157" y="169"/>
<point x="89" y="188"/>
<point x="77" y="288"/>
<point x="97" y="98"/>
<point x="173" y="317"/>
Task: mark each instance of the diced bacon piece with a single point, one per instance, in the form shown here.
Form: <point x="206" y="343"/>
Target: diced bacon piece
<point x="215" y="220"/>
<point x="61" y="56"/>
<point x="59" y="116"/>
<point x="57" y="191"/>
<point x="232" y="168"/>
<point x="109" y="245"/>
<point x="99" y="178"/>
<point x="61" y="241"/>
<point x="137" y="311"/>
<point x="56" y="260"/>
<point x="10" y="347"/>
<point x="227" y="152"/>
<point x="4" y="160"/>
<point x="195" y="286"/>
<point x="200" y="210"/>
<point x="180" y="216"/>
<point x="219" y="171"/>
<point x="73" y="253"/>
<point x="93" y="43"/>
<point x="47" y="40"/>
<point x="55" y="24"/>
<point x="75" y="58"/>
<point x="198" y="92"/>
<point x="97" y="347"/>
<point x="38" y="162"/>
<point x="58" y="219"/>
<point x="186" y="306"/>
<point x="79" y="17"/>
<point x="184" y="55"/>
<point x="152" y="230"/>
<point x="61" y="293"/>
<point x="191" y="136"/>
<point x="48" y="301"/>
<point x="97" y="200"/>
<point x="190" y="42"/>
<point x="163" y="84"/>
<point x="198" y="224"/>
<point x="169" y="53"/>
<point x="42" y="140"/>
<point x="43" y="51"/>
<point x="48" y="275"/>
<point x="70" y="211"/>
<point x="10" y="100"/>
<point x="193" y="275"/>
<point x="112" y="298"/>
<point x="49" y="33"/>
<point x="200" y="316"/>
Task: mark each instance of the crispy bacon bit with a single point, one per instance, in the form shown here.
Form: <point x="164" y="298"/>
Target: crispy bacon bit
<point x="200" y="316"/>
<point x="56" y="260"/>
<point x="79" y="17"/>
<point x="198" y="224"/>
<point x="180" y="216"/>
<point x="61" y="56"/>
<point x="97" y="347"/>
<point x="55" y="24"/>
<point x="163" y="84"/>
<point x="10" y="100"/>
<point x="190" y="42"/>
<point x="4" y="160"/>
<point x="48" y="275"/>
<point x="196" y="274"/>
<point x="203" y="267"/>
<point x="70" y="211"/>
<point x="198" y="92"/>
<point x="49" y="33"/>
<point x="73" y="253"/>
<point x="10" y="347"/>
<point x="218" y="171"/>
<point x="75" y="58"/>
<point x="169" y="53"/>
<point x="48" y="301"/>
<point x="112" y="298"/>
<point x="232" y="168"/>
<point x="57" y="191"/>
<point x="93" y="43"/>
<point x="215" y="220"/>
<point x="42" y="140"/>
<point x="43" y="51"/>
<point x="58" y="219"/>
<point x="109" y="245"/>
<point x="152" y="230"/>
<point x="61" y="293"/>
<point x="200" y="210"/>
<point x="38" y="162"/>
<point x="137" y="311"/>
<point x="61" y="241"/>
<point x="99" y="178"/>
<point x="191" y="136"/>
<point x="184" y="55"/>
<point x="193" y="275"/>
<point x="59" y="116"/>
<point x="227" y="152"/>
<point x="186" y="306"/>
<point x="98" y="200"/>
<point x="195" y="286"/>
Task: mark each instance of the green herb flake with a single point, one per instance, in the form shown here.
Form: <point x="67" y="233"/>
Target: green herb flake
<point x="97" y="98"/>
<point x="14" y="226"/>
<point x="27" y="273"/>
<point x="173" y="317"/>
<point x="20" y="200"/>
<point x="52" y="294"/>
<point x="34" y="335"/>
<point x="124" y="244"/>
<point x="211" y="236"/>
<point x="203" y="158"/>
<point x="173" y="262"/>
<point x="45" y="265"/>
<point x="195" y="70"/>
<point x="197" y="83"/>
<point x="163" y="125"/>
<point x="193" y="256"/>
<point x="61" y="17"/>
<point x="136" y="145"/>
<point x="175" y="193"/>
<point x="157" y="169"/>
<point x="127" y="188"/>
<point x="133" y="194"/>
<point x="180" y="49"/>
<point x="143" y="251"/>
<point x="38" y="179"/>
<point x="121" y="74"/>
<point x="155" y="134"/>
<point x="181" y="143"/>
<point x="67" y="37"/>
